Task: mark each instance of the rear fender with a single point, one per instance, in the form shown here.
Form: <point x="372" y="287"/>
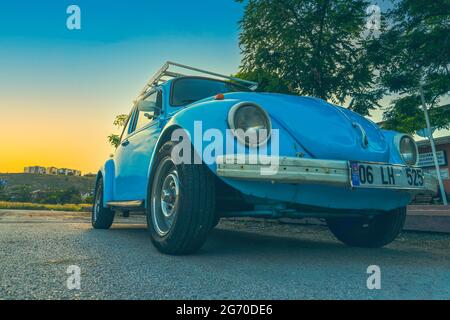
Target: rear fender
<point x="107" y="172"/>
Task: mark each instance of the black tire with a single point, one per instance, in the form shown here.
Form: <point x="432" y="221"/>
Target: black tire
<point x="180" y="225"/>
<point x="102" y="218"/>
<point x="374" y="232"/>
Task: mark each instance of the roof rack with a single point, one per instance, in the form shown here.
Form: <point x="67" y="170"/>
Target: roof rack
<point x="164" y="73"/>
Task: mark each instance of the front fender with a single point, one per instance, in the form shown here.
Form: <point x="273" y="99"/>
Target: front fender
<point x="212" y="115"/>
<point x="394" y="155"/>
<point x="185" y="119"/>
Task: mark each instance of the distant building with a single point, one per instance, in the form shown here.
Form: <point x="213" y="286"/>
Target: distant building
<point x="52" y="171"/>
<point x="35" y="170"/>
<point x="426" y="160"/>
<point x="69" y="172"/>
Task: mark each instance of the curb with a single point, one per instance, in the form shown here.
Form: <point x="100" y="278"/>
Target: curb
<point x="428" y="218"/>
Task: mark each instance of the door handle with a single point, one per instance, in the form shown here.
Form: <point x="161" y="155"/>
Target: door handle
<point x="125" y="143"/>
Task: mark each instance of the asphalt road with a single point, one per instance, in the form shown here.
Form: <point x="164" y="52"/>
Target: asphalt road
<point x="241" y="260"/>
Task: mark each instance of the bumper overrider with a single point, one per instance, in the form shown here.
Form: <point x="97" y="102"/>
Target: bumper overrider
<point x="331" y="172"/>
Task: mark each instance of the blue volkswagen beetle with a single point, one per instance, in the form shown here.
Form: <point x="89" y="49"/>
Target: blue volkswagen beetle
<point x="196" y="149"/>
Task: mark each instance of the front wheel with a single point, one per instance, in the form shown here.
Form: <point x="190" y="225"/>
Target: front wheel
<point x="373" y="232"/>
<point x="181" y="206"/>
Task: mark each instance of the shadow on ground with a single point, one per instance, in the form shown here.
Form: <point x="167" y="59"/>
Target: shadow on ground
<point x="315" y="244"/>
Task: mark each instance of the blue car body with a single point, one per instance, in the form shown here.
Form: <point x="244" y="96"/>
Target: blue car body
<point x="307" y="126"/>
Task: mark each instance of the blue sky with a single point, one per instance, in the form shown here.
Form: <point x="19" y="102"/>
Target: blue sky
<point x="120" y="44"/>
<point x="106" y="20"/>
<point x="140" y="35"/>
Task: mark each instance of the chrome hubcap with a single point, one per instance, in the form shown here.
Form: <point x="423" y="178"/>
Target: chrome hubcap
<point x="169" y="195"/>
<point x="165" y="197"/>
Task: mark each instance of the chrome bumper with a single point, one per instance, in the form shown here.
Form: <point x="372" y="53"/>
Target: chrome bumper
<point x="295" y="170"/>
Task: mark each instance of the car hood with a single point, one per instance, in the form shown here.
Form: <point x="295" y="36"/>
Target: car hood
<point x="324" y="130"/>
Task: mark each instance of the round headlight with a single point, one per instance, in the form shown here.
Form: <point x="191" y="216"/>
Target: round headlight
<point x="250" y="123"/>
<point x="408" y="150"/>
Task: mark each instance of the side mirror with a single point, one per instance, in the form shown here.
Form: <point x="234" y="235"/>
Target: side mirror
<point x="148" y="106"/>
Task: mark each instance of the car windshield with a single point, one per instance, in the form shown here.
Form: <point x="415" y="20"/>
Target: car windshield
<point x="189" y="90"/>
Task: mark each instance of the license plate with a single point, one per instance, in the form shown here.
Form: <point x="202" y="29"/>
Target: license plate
<point x="372" y="175"/>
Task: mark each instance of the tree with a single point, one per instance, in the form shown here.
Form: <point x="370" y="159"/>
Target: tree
<point x="310" y="47"/>
<point x="69" y="195"/>
<point x="21" y="193"/>
<point x="119" y="122"/>
<point x="266" y="82"/>
<point x="3" y="184"/>
<point x="415" y="48"/>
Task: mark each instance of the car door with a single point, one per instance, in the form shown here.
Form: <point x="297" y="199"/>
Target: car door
<point x="134" y="152"/>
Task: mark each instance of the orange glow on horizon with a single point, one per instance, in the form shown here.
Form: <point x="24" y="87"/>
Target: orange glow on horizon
<point x="45" y="137"/>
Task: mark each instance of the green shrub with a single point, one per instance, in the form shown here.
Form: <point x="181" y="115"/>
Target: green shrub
<point x="51" y="207"/>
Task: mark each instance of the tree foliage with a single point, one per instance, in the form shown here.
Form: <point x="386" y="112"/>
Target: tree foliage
<point x="415" y="48"/>
<point x="70" y="195"/>
<point x="25" y="193"/>
<point x="309" y="47"/>
<point x="119" y="122"/>
<point x="321" y="48"/>
<point x="21" y="193"/>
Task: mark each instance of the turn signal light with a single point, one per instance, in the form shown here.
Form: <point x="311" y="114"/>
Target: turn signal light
<point x="220" y="96"/>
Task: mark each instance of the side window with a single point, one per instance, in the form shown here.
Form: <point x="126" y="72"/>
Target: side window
<point x="127" y="126"/>
<point x="146" y="110"/>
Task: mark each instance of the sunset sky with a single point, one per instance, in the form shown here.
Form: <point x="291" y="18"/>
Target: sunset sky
<point x="60" y="90"/>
